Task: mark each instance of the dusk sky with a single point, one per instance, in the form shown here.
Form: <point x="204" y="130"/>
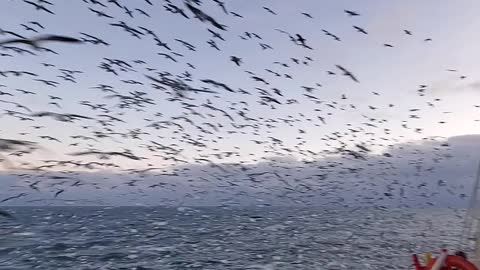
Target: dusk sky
<point x="412" y="112"/>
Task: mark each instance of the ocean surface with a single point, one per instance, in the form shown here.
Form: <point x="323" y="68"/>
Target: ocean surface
<point x="219" y="238"/>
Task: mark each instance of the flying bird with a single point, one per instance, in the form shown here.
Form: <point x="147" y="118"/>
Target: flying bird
<point x="221" y="5"/>
<point x="361" y="30"/>
<point x="200" y="15"/>
<point x="236" y="60"/>
<point x="347" y="73"/>
<point x="36" y="41"/>
<point x="14" y="197"/>
<point x="269" y="10"/>
<point x="28" y="28"/>
<point x="218" y="84"/>
<point x="61" y="117"/>
<point x="100" y="13"/>
<point x="351" y="13"/>
<point x="236" y="14"/>
<point x="58" y="193"/>
<point x="104" y="155"/>
<point x="307" y="15"/>
<point x="39" y="6"/>
<point x="37" y="24"/>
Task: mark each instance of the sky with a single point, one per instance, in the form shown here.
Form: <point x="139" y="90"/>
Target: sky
<point x="387" y="75"/>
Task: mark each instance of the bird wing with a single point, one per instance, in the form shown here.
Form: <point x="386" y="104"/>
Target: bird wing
<point x="58" y="38"/>
<point x="41" y="114"/>
<point x="78" y="116"/>
<point x="15" y="40"/>
<point x="31" y="3"/>
<point x="46" y="9"/>
<point x="349" y="74"/>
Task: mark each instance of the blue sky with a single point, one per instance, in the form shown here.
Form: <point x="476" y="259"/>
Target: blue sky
<point x="394" y="73"/>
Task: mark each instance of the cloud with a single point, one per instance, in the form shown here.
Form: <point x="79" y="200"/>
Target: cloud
<point x="474" y="85"/>
<point x="433" y="171"/>
<point x="453" y="85"/>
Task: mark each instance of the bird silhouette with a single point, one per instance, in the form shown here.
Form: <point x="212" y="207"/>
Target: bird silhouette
<point x="36" y="24"/>
<point x="39" y="6"/>
<point x="218" y="84"/>
<point x="167" y="56"/>
<point x="200" y="15"/>
<point x="361" y="30"/>
<point x="36" y="41"/>
<point x="175" y="10"/>
<point x="216" y="35"/>
<point x="125" y="154"/>
<point x="236" y="14"/>
<point x="14" y="197"/>
<point x="100" y="13"/>
<point x="307" y="15"/>
<point x="128" y="11"/>
<point x="61" y="117"/>
<point x="144" y="13"/>
<point x="351" y="13"/>
<point x="221" y="5"/>
<point x="236" y="60"/>
<point x="269" y="10"/>
<point x="58" y="193"/>
<point x="28" y="28"/>
<point x="347" y="73"/>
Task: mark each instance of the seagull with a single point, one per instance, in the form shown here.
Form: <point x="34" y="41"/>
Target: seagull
<point x="38" y="6"/>
<point x="61" y="117"/>
<point x="301" y="40"/>
<point x="58" y="193"/>
<point x="167" y="56"/>
<point x="100" y="14"/>
<point x="28" y="28"/>
<point x="307" y="15"/>
<point x="236" y="14"/>
<point x="143" y="12"/>
<point x="14" y="197"/>
<point x="199" y="14"/>
<point x="236" y="60"/>
<point x="115" y="2"/>
<point x="361" y="30"/>
<point x="351" y="13"/>
<point x="25" y="92"/>
<point x="216" y="35"/>
<point x="35" y="42"/>
<point x="106" y="154"/>
<point x="222" y="5"/>
<point x="347" y="73"/>
<point x="37" y="24"/>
